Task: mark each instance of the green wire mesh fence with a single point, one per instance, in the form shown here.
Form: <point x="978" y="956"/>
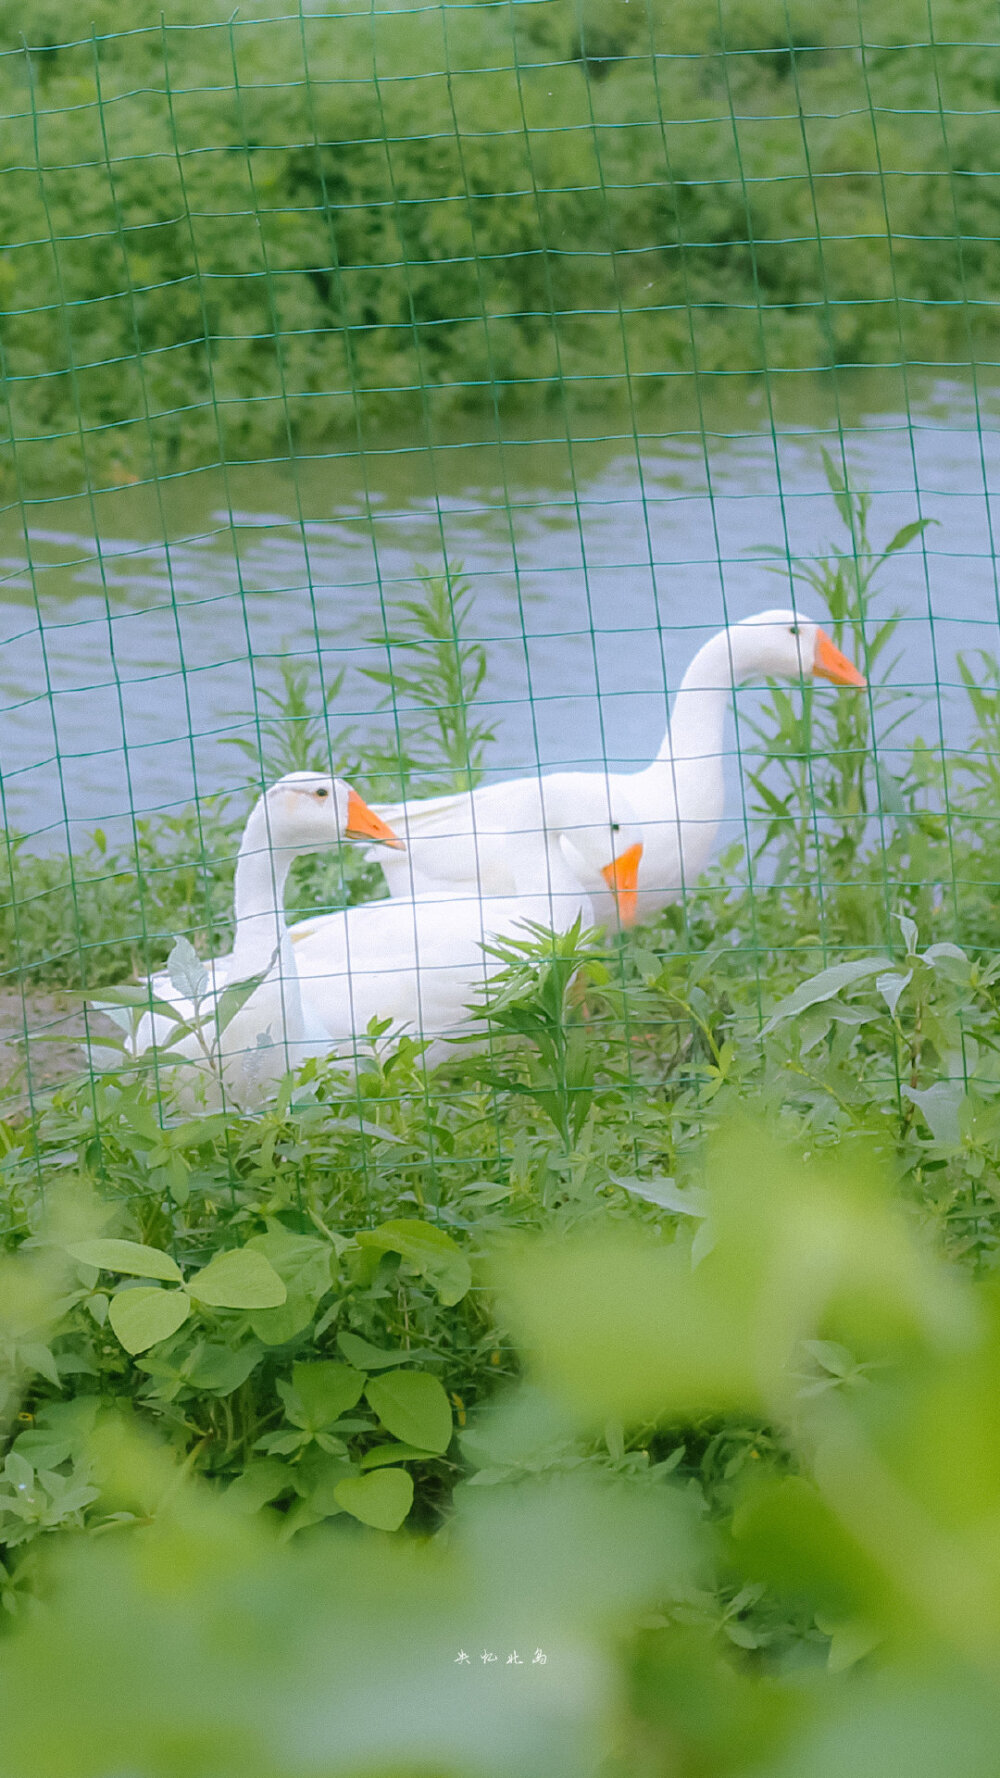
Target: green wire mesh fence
<point x="412" y="391"/>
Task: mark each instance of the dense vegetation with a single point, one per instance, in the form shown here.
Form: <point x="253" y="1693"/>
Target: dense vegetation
<point x="708" y="1422"/>
<point x="228" y="238"/>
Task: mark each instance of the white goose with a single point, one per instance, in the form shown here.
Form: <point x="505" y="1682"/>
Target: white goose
<point x="303" y="812"/>
<point x="420" y="960"/>
<point x="459" y="841"/>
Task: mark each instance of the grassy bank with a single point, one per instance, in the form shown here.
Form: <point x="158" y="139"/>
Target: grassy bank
<point x="229" y="240"/>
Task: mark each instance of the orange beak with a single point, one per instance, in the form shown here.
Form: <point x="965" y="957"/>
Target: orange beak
<point x="364" y="824"/>
<point x="622" y="878"/>
<point x="829" y="663"/>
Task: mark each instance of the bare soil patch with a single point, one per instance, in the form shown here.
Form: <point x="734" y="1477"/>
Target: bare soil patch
<point x="41" y="1041"/>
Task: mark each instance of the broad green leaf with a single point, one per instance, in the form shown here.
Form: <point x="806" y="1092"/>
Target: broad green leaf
<point x="325" y="1390"/>
<point x="908" y="928"/>
<point x="366" y="1357"/>
<point x="127" y="1256"/>
<point x="383" y="1454"/>
<point x="303" y="1261"/>
<point x="277" y="1326"/>
<point x="140" y="996"/>
<point x="939" y="1106"/>
<point x="823" y="987"/>
<point x="890" y="985"/>
<point x="221" y="1369"/>
<point x="412" y="1406"/>
<point x="381" y="1499"/>
<point x="946" y="953"/>
<point x="141" y="1318"/>
<point x="317" y="1478"/>
<point x="429" y="1250"/>
<point x="186" y="970"/>
<point x="38" y="1357"/>
<point x="305" y="1264"/>
<point x="238" y="1279"/>
<point x="61" y="1429"/>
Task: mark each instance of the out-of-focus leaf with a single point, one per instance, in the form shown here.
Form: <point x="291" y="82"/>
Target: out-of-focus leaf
<point x="623" y="1327"/>
<point x="665" y="1193"/>
<point x="261" y="1482"/>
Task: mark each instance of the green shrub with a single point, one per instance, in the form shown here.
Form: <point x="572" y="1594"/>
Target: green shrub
<point x="235" y="237"/>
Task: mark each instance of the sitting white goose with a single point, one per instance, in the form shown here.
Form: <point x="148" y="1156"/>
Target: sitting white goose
<point x="302" y="812"/>
<point x="458" y="841"/>
<point x="420" y="961"/>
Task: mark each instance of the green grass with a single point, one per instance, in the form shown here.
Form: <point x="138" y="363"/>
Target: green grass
<point x="236" y="236"/>
<point x="550" y="1349"/>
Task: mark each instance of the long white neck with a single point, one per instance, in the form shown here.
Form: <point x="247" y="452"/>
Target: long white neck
<point x="262" y="946"/>
<point x="685" y="784"/>
<point x="698" y="718"/>
<point x="261" y="875"/>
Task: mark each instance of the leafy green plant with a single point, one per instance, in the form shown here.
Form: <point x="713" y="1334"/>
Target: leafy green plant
<point x="824" y="779"/>
<point x="435" y="674"/>
<point x="292" y="732"/>
<point x="537" y="996"/>
<point x="223" y="119"/>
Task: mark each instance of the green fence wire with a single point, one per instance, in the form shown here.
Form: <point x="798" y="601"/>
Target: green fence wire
<point x="587" y="330"/>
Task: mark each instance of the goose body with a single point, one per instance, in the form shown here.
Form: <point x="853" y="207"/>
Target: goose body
<point x="274" y="1029"/>
<point x="465" y="841"/>
<point x="420" y="960"/>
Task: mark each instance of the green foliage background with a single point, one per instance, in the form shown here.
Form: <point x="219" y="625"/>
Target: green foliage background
<point x="227" y="238"/>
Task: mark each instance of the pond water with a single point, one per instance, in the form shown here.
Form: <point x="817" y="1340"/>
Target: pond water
<point x="137" y="629"/>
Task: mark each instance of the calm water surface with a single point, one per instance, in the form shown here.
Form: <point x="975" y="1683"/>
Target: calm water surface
<point x="138" y="630"/>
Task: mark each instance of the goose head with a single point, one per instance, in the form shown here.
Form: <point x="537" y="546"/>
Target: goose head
<point x="786" y="645"/>
<point x="307" y="810"/>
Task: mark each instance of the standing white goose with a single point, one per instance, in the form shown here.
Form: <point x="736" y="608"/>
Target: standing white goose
<point x="678" y="800"/>
<point x="302" y="812"/>
<point x="420" y="960"/>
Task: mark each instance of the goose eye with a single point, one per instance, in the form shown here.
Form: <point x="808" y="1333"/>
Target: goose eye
<point x="322" y="793"/>
<point x="616" y="827"/>
<point x="794" y="630"/>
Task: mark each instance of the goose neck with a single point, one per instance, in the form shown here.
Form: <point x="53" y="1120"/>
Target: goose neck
<point x="699" y="713"/>
<point x="261" y="876"/>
